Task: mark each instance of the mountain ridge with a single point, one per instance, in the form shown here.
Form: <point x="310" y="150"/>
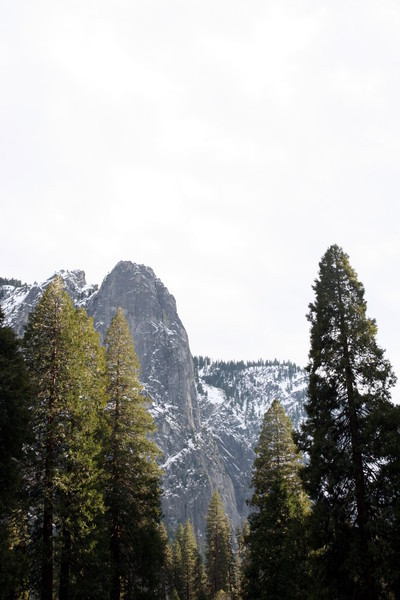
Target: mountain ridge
<point x="208" y="413"/>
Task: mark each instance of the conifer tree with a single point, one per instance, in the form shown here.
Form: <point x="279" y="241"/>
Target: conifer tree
<point x="189" y="576"/>
<point x="133" y="495"/>
<point x="15" y="399"/>
<point x="82" y="553"/>
<point x="219" y="548"/>
<point x="344" y="435"/>
<point x="190" y="562"/>
<point x="66" y="364"/>
<point x="166" y="584"/>
<point x="177" y="562"/>
<point x="276" y="561"/>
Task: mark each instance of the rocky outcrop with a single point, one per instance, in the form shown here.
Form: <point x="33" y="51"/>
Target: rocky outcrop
<point x="161" y="341"/>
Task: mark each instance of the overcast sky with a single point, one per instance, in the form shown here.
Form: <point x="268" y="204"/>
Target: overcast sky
<point x="225" y="144"/>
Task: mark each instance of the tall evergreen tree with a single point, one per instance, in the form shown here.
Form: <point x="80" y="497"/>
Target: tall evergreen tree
<point x="178" y="571"/>
<point x="133" y="495"/>
<point x="15" y="398"/>
<point x="166" y="584"/>
<point x="219" y="549"/>
<point x="190" y="564"/>
<point x="348" y="410"/>
<point x="276" y="561"/>
<point x="67" y="365"/>
<point x="83" y="478"/>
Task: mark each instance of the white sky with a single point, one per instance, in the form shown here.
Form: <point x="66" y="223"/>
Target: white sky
<point x="225" y="144"/>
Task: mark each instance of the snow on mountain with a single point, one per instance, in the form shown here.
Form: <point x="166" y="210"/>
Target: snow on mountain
<point x="208" y="413"/>
<point x="233" y="398"/>
<point x="17" y="301"/>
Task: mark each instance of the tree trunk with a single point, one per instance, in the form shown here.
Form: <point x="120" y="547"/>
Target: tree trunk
<point x="47" y="559"/>
<point x="116" y="560"/>
<point x="65" y="563"/>
<point x="115" y="527"/>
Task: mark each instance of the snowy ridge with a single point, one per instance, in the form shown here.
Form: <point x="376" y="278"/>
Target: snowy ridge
<point x="17" y="301"/>
<point x="233" y="399"/>
<point x="246" y="390"/>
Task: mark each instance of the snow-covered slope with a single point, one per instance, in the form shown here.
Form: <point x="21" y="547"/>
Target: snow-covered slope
<point x="233" y="398"/>
<point x="17" y="301"/>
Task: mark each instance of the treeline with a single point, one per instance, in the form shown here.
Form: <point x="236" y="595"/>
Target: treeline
<point x="80" y="486"/>
<point x="12" y="281"/>
<point x="200" y="362"/>
<point x="4" y="282"/>
<point x="238" y="378"/>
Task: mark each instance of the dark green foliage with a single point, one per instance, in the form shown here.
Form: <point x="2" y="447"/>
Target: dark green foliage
<point x="133" y="492"/>
<point x="12" y="281"/>
<point x="276" y="562"/>
<point x="178" y="569"/>
<point x="15" y="398"/>
<point x="166" y="583"/>
<point x="351" y="436"/>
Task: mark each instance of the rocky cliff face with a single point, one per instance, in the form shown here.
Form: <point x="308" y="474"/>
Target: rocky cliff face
<point x="161" y="342"/>
<point x="208" y="414"/>
<point x="162" y="347"/>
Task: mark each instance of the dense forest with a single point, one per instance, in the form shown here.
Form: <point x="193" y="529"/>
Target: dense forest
<point x="80" y="485"/>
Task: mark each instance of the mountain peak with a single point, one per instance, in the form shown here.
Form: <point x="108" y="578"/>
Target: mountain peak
<point x="208" y="413"/>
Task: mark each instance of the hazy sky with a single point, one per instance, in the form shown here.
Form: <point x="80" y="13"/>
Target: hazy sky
<point x="225" y="144"/>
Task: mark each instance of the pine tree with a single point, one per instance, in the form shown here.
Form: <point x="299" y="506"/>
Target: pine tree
<point x="189" y="558"/>
<point x="275" y="566"/>
<point x="348" y="409"/>
<point x="66" y="364"/>
<point x="133" y="496"/>
<point x="166" y="584"/>
<point x="15" y="398"/>
<point x="219" y="548"/>
<point x="178" y="572"/>
<point x="190" y="564"/>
